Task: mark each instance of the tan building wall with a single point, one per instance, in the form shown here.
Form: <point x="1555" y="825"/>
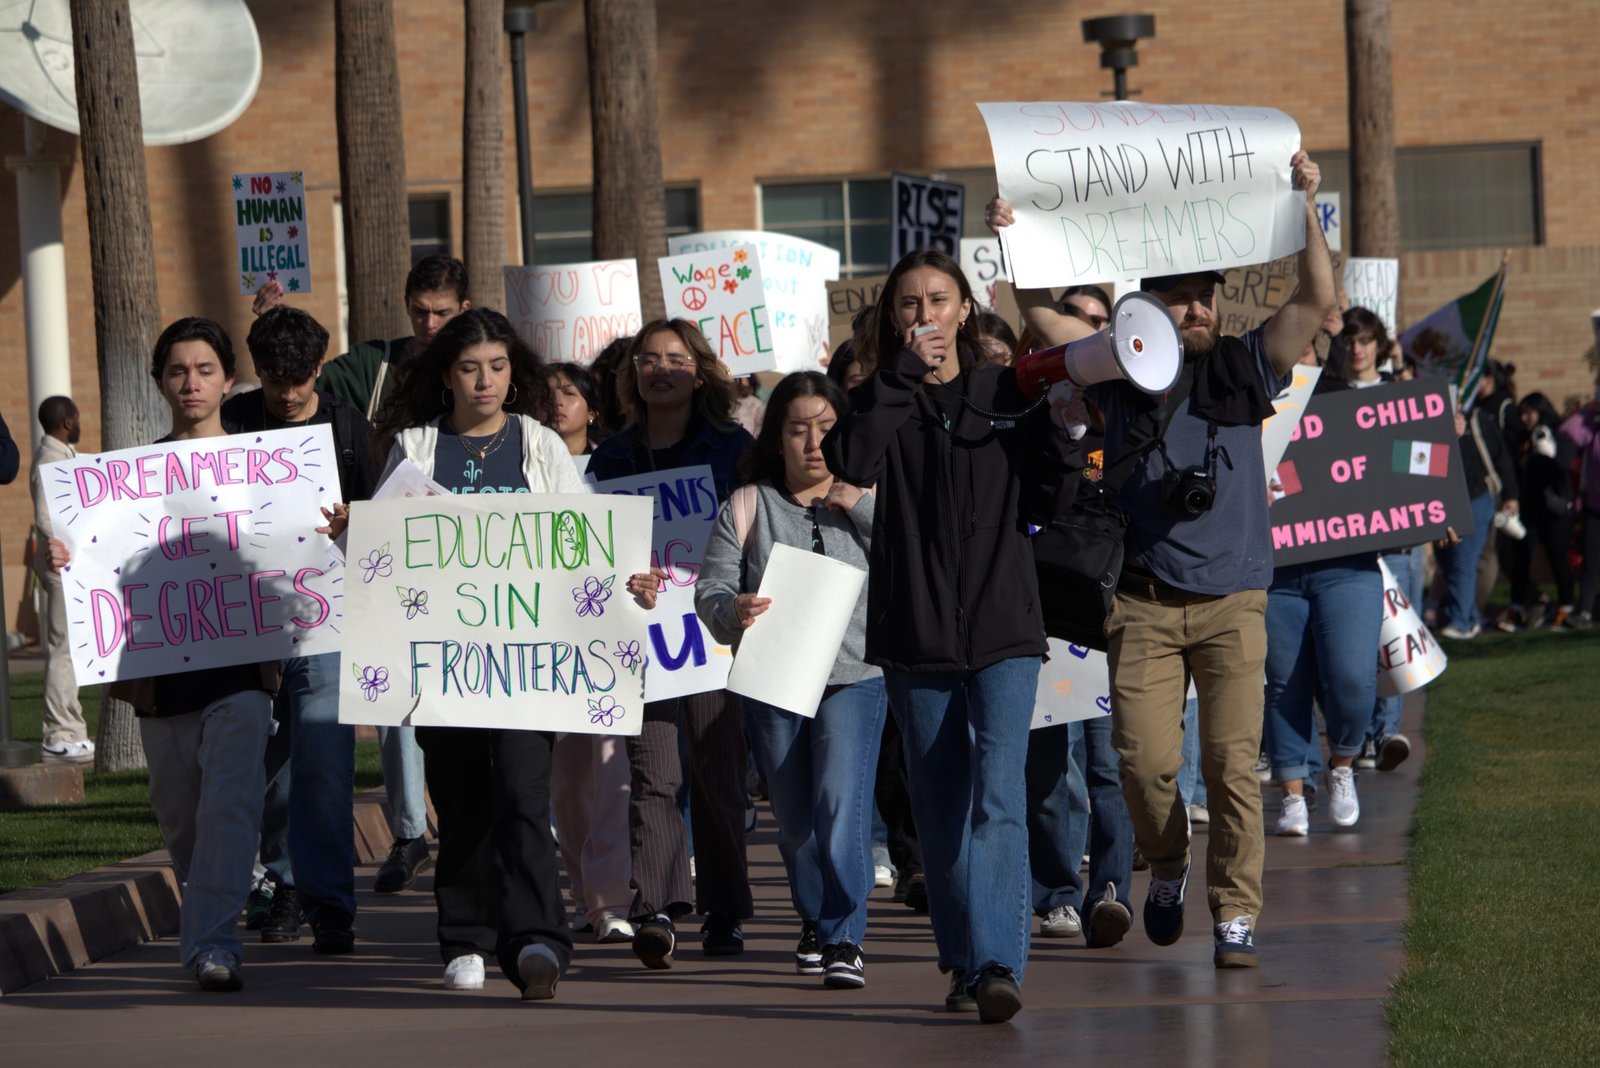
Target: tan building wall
<point x="751" y="92"/>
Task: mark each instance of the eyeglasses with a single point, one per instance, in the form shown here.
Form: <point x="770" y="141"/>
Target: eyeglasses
<point x="672" y="361"/>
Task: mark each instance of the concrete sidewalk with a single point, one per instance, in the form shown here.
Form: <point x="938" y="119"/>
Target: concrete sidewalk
<point x="1330" y="941"/>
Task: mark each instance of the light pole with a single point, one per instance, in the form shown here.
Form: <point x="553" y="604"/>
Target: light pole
<point x="1118" y="36"/>
<point x="519" y="20"/>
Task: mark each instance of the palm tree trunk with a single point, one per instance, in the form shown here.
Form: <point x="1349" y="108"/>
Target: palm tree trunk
<point x="483" y="157"/>
<point x="1374" y="215"/>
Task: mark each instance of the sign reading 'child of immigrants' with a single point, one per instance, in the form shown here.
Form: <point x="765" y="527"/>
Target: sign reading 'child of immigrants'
<point x="269" y="212"/>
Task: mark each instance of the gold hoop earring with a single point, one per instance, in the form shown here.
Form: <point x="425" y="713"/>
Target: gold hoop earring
<point x="448" y="398"/>
<point x="509" y="401"/>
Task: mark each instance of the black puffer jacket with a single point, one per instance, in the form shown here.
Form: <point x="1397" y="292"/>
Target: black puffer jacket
<point x="952" y="584"/>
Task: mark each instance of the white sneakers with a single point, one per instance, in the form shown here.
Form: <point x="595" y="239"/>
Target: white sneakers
<point x="67" y="753"/>
<point x="1061" y="922"/>
<point x="1293" y="818"/>
<point x="613" y="928"/>
<point x="464" y="973"/>
<point x="1343" y="806"/>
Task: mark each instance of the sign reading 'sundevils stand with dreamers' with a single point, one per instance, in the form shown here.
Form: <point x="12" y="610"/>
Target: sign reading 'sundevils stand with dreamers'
<point x="568" y="312"/>
<point x="496" y="611"/>
<point x="269" y="213"/>
<point x="1370" y="469"/>
<point x="198" y="554"/>
<point x="684" y="659"/>
<point x="1115" y="189"/>
<point x="720" y="291"/>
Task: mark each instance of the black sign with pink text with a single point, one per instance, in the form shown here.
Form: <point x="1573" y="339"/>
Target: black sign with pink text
<point x="1370" y="469"/>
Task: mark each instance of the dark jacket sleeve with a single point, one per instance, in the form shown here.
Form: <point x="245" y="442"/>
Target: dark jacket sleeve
<point x="365" y="479"/>
<point x="1050" y="480"/>
<point x="879" y="407"/>
<point x="10" y="455"/>
<point x="1500" y="454"/>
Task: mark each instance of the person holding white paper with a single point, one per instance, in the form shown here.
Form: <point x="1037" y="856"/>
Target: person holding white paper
<point x="819" y="771"/>
<point x="466" y="412"/>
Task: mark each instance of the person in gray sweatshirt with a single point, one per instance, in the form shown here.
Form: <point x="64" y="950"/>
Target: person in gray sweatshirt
<point x="819" y="771"/>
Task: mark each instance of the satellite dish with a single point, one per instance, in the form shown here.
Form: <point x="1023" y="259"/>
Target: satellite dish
<point x="199" y="64"/>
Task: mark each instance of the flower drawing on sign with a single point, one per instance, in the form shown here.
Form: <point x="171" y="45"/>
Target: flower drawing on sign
<point x="282" y="186"/>
<point x="593" y="595"/>
<point x="377" y="564"/>
<point x="743" y="273"/>
<point x="740" y="255"/>
<point x="249" y="281"/>
<point x="604" y="711"/>
<point x="731" y="286"/>
<point x="413" y="600"/>
<point x="373" y="680"/>
<point x="297" y="177"/>
<point x="238" y="183"/>
<point x="294" y="232"/>
<point x="294" y="284"/>
<point x="629" y="657"/>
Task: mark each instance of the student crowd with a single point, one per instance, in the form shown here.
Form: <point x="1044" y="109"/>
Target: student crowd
<point x="919" y="458"/>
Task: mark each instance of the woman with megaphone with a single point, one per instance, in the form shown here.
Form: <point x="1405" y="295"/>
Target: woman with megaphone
<point x="963" y="460"/>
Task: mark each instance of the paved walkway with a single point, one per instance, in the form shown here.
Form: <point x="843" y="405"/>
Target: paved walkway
<point x="1330" y="943"/>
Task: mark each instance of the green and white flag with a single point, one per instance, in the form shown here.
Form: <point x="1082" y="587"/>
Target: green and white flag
<point x="1455" y="339"/>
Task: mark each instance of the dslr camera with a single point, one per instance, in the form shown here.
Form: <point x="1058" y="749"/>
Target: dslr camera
<point x="1192" y="491"/>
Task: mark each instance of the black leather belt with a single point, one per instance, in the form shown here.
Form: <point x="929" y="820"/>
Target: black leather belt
<point x="1136" y="579"/>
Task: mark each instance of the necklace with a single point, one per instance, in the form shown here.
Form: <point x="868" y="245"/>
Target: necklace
<point x="482" y="452"/>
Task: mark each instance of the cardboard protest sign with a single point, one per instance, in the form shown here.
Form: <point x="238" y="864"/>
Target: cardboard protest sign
<point x="720" y="291"/>
<point x="1250" y="295"/>
<point x="1287" y="408"/>
<point x="1074" y="684"/>
<point x="269" y="213"/>
<point x="569" y="312"/>
<point x="1370" y="469"/>
<point x="787" y="654"/>
<point x="927" y="214"/>
<point x="1409" y="657"/>
<point x="496" y="611"/>
<point x="846" y="298"/>
<point x="684" y="658"/>
<point x="794" y="274"/>
<point x="1114" y="189"/>
<point x="1374" y="284"/>
<point x="198" y="554"/>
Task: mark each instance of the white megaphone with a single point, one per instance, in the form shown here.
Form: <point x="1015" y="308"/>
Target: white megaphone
<point x="1140" y="345"/>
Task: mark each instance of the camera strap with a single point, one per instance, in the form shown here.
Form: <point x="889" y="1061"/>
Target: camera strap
<point x="1134" y="450"/>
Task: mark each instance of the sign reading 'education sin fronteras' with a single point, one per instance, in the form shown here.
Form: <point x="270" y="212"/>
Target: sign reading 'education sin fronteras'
<point x="506" y="611"/>
<point x="197" y="554"/>
<point x="1117" y="189"/>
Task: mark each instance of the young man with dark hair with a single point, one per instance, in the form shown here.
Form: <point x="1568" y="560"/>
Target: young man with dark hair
<point x="311" y="758"/>
<point x="64" y="735"/>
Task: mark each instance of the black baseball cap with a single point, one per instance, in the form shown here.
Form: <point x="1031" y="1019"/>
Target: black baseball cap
<point x="1165" y="282"/>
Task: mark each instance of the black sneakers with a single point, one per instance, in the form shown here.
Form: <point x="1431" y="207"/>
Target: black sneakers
<point x="958" y="1000"/>
<point x="807" y="954"/>
<point x="407" y="857"/>
<point x="842" y="967"/>
<point x="654" y="940"/>
<point x="1234" y="943"/>
<point x="1108" y="920"/>
<point x="1163" y="908"/>
<point x="722" y="937"/>
<point x="998" y="996"/>
<point x="283" y="917"/>
<point x="331" y="931"/>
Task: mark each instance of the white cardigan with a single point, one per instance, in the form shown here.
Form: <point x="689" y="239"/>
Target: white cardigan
<point x="546" y="464"/>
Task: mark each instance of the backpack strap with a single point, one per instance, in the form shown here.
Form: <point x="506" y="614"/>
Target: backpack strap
<point x="343" y="434"/>
<point x="1121" y="469"/>
<point x="743" y="501"/>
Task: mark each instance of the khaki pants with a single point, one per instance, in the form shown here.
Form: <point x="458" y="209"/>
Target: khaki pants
<point x="1159" y="638"/>
<point x="63" y="715"/>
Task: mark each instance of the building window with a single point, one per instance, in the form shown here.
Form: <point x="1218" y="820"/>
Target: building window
<point x="430" y="226"/>
<point x="849" y="215"/>
<point x="1457" y="196"/>
<point x="564" y="222"/>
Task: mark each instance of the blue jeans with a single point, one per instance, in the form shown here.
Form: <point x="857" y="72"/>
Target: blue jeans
<point x="1460" y="565"/>
<point x="1058" y="818"/>
<point x="966" y="742"/>
<point x="1323" y="620"/>
<point x="819" y="775"/>
<point x="1406" y="566"/>
<point x="1110" y="825"/>
<point x="322" y="768"/>
<point x="403" y="781"/>
<point x="1191" y="784"/>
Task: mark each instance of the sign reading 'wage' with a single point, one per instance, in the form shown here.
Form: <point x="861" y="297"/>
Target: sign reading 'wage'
<point x="720" y="291"/>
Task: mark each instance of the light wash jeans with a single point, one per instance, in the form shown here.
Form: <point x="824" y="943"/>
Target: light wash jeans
<point x="207" y="779"/>
<point x="1191" y="784"/>
<point x="1058" y="818"/>
<point x="1460" y="566"/>
<point x="966" y="742"/>
<point x="403" y="781"/>
<point x="819" y="774"/>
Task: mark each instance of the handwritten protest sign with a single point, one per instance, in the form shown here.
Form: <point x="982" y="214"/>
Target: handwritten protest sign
<point x="1331" y="216"/>
<point x="1370" y="469"/>
<point x="1250" y="295"/>
<point x="1287" y="408"/>
<point x="846" y="298"/>
<point x="786" y="656"/>
<point x="568" y="312"/>
<point x="496" y="611"/>
<point x="198" y="554"/>
<point x="270" y="230"/>
<point x="720" y="291"/>
<point x="927" y="214"/>
<point x="794" y="274"/>
<point x="984" y="263"/>
<point x="1409" y="657"/>
<point x="684" y="658"/>
<point x="1074" y="684"/>
<point x="1374" y="284"/>
<point x="1115" y="189"/>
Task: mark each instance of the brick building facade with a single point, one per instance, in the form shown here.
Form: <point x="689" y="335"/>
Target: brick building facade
<point x="769" y="110"/>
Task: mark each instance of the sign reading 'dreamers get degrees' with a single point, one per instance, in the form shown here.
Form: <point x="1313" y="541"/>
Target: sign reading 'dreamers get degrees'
<point x="1074" y="684"/>
<point x="199" y="554"/>
<point x="504" y="611"/>
<point x="720" y="291"/>
<point x="270" y="215"/>
<point x="1116" y="189"/>
<point x="787" y="654"/>
<point x="568" y="312"/>
<point x="794" y="273"/>
<point x="684" y="659"/>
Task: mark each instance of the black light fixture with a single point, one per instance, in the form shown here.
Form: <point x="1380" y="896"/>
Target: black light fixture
<point x="1117" y="36"/>
<point x="519" y="20"/>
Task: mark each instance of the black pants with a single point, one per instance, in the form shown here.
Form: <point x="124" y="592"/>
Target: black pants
<point x="1591" y="560"/>
<point x="496" y="880"/>
<point x="1553" y="534"/>
<point x="892" y="791"/>
<point x="713" y="724"/>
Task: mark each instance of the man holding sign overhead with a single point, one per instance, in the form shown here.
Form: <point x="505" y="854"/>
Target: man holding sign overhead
<point x="1192" y="598"/>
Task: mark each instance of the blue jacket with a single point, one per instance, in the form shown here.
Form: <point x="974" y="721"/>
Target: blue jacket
<point x="626" y="453"/>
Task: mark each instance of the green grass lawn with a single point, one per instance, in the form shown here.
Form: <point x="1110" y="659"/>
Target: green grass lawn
<point x="113" y="823"/>
<point x="1503" y="945"/>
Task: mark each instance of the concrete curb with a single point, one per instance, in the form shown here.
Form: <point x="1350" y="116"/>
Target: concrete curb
<point x="49" y="930"/>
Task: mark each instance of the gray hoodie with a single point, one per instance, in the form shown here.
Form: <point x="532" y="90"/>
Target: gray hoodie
<point x="729" y="571"/>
